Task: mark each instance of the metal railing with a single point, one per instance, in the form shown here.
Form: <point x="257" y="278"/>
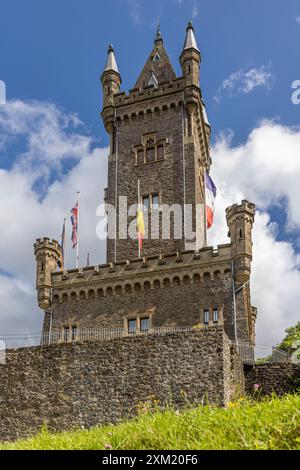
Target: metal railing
<point x="80" y="334"/>
<point x="249" y="354"/>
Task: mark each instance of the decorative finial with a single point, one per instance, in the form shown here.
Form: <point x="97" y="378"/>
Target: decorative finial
<point x="158" y="32"/>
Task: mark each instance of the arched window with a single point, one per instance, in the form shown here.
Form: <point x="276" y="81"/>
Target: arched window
<point x="147" y="285"/>
<point x="128" y="289"/>
<point x="100" y="293"/>
<point x="82" y="295"/>
<point x="91" y="294"/>
<point x="137" y="287"/>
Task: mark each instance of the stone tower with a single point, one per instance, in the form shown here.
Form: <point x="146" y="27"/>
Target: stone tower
<point x="240" y="219"/>
<point x="47" y="254"/>
<point x="159" y="142"/>
<point x="159" y="137"/>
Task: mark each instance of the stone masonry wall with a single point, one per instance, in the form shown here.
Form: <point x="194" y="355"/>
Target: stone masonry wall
<point x="279" y="378"/>
<point x="172" y="305"/>
<point x="85" y="384"/>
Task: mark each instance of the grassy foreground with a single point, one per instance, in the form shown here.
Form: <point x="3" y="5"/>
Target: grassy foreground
<point x="273" y="423"/>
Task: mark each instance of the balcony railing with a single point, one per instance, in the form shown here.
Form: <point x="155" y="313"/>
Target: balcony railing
<point x="249" y="354"/>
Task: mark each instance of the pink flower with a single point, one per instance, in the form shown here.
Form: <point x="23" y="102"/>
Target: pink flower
<point x="108" y="446"/>
<point x="256" y="387"/>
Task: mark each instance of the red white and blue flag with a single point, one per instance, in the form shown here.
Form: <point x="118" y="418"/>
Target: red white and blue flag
<point x="74" y="222"/>
<point x="211" y="193"/>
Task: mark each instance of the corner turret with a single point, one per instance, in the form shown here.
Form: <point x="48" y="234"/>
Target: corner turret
<point x="240" y="219"/>
<point x="190" y="58"/>
<point x="111" y="83"/>
<point x="47" y="254"/>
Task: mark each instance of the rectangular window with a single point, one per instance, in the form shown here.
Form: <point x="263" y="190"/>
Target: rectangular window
<point x="74" y="332"/>
<point x="146" y="203"/>
<point x="155" y="201"/>
<point x="66" y="334"/>
<point x="132" y="326"/>
<point x="215" y="315"/>
<point x="140" y="157"/>
<point x="206" y="317"/>
<point x="160" y="152"/>
<point x="145" y="324"/>
<point x="150" y="154"/>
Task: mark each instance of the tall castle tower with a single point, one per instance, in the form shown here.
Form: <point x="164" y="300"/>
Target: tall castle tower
<point x="159" y="143"/>
<point x="159" y="138"/>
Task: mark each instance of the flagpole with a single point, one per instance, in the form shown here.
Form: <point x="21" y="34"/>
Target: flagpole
<point x="77" y="246"/>
<point x="205" y="208"/>
<point x="139" y="235"/>
<point x="64" y="244"/>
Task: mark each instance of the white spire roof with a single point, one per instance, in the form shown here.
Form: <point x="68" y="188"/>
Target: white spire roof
<point x="190" y="40"/>
<point x="111" y="63"/>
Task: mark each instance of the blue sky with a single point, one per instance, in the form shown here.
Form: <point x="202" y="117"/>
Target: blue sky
<point x="52" y="141"/>
<point x="55" y="50"/>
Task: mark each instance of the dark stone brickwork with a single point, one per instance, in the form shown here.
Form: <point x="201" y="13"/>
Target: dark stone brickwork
<point x="85" y="384"/>
<point x="279" y="378"/>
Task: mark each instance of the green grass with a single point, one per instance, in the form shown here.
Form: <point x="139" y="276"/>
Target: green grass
<point x="272" y="423"/>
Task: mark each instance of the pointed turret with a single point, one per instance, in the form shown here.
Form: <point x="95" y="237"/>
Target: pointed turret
<point x="111" y="78"/>
<point x="190" y="40"/>
<point x="111" y="82"/>
<point x="190" y="58"/>
<point x="158" y="68"/>
<point x="111" y="64"/>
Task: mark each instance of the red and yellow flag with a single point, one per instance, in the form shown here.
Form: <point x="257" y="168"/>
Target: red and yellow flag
<point x="140" y="227"/>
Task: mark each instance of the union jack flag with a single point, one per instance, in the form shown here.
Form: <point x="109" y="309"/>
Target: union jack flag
<point x="74" y="222"/>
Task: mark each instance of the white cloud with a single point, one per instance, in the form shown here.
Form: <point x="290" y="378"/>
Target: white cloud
<point x="245" y="81"/>
<point x="135" y="11"/>
<point x="193" y="4"/>
<point x="298" y="20"/>
<point x="265" y="170"/>
<point x="24" y="216"/>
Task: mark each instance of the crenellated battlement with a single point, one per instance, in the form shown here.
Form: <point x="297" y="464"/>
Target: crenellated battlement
<point x="206" y="264"/>
<point x="52" y="247"/>
<point x="246" y="208"/>
<point x="137" y="95"/>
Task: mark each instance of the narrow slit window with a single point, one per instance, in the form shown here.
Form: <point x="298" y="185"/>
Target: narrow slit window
<point x="206" y="317"/>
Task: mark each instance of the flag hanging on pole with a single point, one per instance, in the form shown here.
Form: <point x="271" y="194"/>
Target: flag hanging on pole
<point x="88" y="259"/>
<point x="63" y="243"/>
<point x="140" y="227"/>
<point x="74" y="222"/>
<point x="211" y="193"/>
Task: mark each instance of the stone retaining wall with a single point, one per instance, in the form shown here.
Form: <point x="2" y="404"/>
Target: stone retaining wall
<point x="279" y="378"/>
<point x="84" y="384"/>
